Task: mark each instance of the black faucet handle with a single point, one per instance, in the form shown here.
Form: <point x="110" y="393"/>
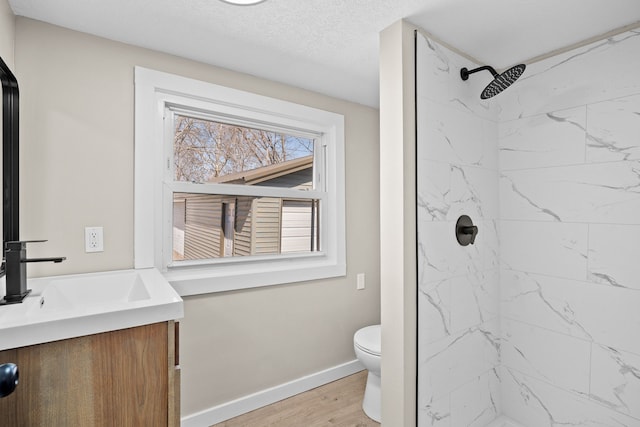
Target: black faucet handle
<point x="470" y="230"/>
<point x="20" y="244"/>
<point x="466" y="232"/>
<point x="52" y="259"/>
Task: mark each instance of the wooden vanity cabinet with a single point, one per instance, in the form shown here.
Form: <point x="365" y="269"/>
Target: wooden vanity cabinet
<point x="127" y="377"/>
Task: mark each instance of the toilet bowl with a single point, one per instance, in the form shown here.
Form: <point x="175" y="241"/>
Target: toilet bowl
<point x="367" y="343"/>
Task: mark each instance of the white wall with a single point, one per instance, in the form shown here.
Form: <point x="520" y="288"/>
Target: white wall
<point x="458" y="324"/>
<point x="570" y="224"/>
<point x="7" y="38"/>
<point x="77" y="170"/>
<point x="7" y="32"/>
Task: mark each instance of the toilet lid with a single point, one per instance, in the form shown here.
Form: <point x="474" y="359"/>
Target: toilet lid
<point x="369" y="339"/>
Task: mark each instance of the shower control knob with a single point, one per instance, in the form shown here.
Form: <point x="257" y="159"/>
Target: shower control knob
<point x="466" y="232"/>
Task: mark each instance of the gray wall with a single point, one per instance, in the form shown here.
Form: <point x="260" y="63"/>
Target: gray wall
<point x="7" y="32"/>
<point x="77" y="171"/>
<point x="7" y="38"/>
<point x="398" y="224"/>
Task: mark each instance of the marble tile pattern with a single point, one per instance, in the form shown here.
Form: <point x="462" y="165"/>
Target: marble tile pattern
<point x="598" y="72"/>
<point x="536" y="403"/>
<point x="569" y="227"/>
<point x="458" y="292"/>
<point x="540" y="319"/>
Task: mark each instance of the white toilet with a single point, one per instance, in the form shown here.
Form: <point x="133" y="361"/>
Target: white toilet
<point x="367" y="343"/>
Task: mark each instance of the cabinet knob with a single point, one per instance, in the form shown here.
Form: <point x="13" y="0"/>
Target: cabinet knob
<point x="8" y="379"/>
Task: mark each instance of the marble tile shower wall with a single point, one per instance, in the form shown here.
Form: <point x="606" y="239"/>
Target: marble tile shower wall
<point x="458" y="347"/>
<point x="552" y="168"/>
<point x="569" y="144"/>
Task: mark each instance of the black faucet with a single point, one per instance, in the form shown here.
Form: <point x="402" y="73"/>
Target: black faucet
<point x="15" y="269"/>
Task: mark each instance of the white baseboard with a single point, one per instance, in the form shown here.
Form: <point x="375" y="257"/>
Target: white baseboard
<point x="231" y="409"/>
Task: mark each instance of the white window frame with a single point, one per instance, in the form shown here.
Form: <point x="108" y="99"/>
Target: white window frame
<point x="155" y="92"/>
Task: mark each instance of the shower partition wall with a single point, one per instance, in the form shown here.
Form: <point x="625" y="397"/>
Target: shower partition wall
<point x="541" y="324"/>
<point x="458" y="309"/>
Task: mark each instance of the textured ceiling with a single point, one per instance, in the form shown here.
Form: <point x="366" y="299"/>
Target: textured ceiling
<point x="331" y="46"/>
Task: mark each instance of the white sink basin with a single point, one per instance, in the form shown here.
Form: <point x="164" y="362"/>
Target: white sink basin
<point x="80" y="292"/>
<point x="70" y="306"/>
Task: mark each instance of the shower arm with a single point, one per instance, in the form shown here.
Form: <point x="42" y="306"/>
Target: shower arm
<point x="464" y="73"/>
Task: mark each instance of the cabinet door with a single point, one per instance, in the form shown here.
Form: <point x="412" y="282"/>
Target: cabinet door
<point x="117" y="378"/>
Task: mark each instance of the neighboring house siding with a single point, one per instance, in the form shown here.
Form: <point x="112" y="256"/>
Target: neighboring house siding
<point x="267" y="226"/>
<point x="203" y="227"/>
<point x="296" y="226"/>
<point x="178" y="228"/>
<point x="261" y="225"/>
<point x="244" y="217"/>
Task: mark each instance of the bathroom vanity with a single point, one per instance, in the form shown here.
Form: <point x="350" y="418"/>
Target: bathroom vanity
<point x="95" y="349"/>
<point x="120" y="378"/>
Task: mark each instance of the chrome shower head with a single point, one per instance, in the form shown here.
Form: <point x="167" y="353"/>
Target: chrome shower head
<point x="500" y="81"/>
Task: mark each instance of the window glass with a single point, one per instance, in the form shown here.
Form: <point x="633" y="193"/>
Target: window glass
<point x="211" y="151"/>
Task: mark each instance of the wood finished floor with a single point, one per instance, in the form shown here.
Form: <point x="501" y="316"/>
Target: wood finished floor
<point x="335" y="404"/>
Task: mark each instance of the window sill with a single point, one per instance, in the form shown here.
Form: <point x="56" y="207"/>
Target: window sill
<point x="197" y="280"/>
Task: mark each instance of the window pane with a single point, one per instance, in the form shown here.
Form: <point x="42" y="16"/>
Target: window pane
<point x="213" y="226"/>
<point x="209" y="151"/>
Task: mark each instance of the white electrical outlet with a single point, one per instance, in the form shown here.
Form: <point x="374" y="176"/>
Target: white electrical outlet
<point x="93" y="239"/>
<point x="360" y="281"/>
